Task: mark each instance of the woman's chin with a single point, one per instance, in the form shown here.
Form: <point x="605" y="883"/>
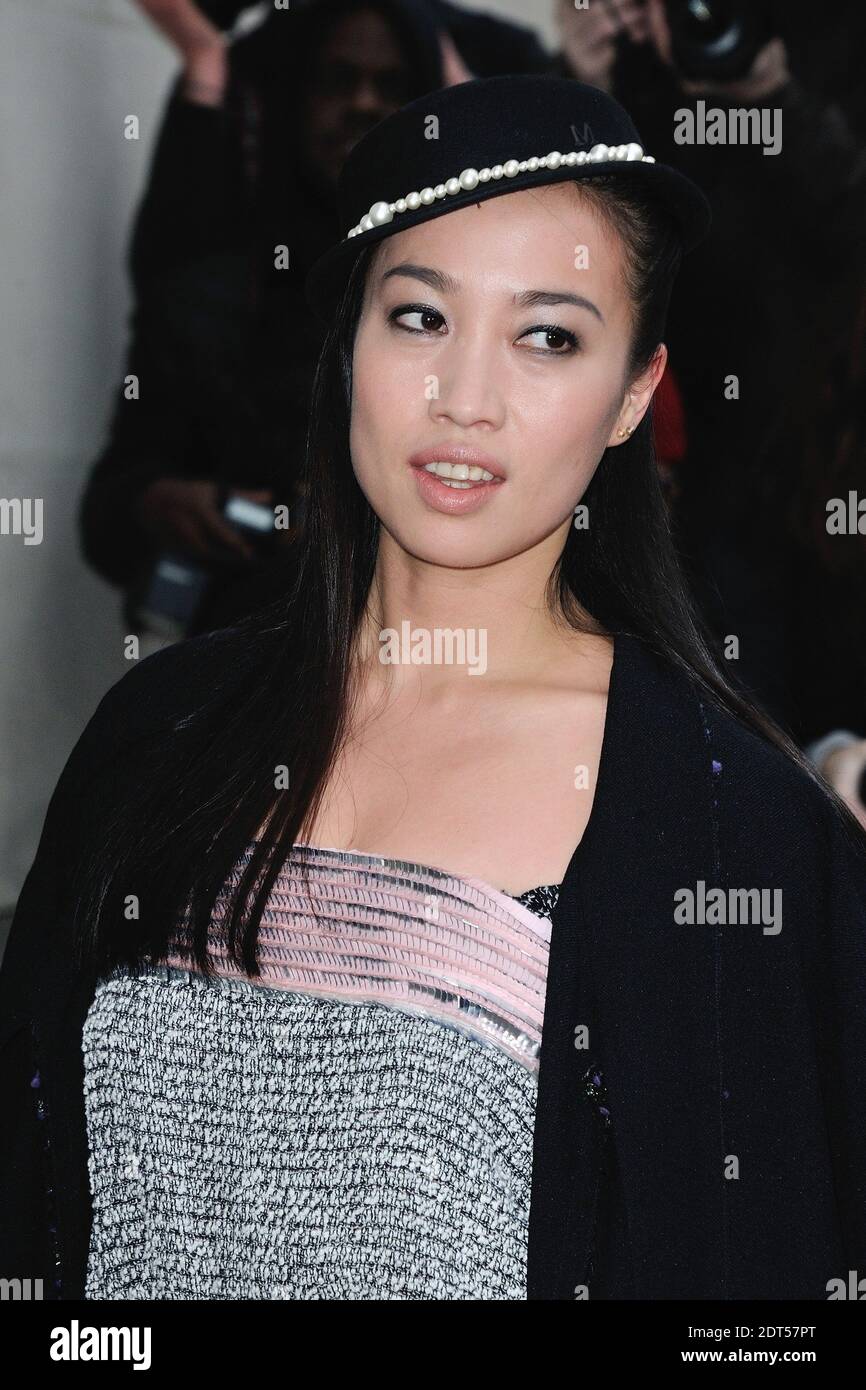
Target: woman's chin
<point x="434" y="543"/>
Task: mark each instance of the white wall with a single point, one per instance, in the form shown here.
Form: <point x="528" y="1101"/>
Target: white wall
<point x="70" y="72"/>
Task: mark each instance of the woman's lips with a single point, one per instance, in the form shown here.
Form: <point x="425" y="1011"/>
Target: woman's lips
<point x="457" y="453"/>
<point x="453" y="501"/>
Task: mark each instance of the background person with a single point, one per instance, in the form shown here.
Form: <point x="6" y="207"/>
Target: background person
<point x="785" y="255"/>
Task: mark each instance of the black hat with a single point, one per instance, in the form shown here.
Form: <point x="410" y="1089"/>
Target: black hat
<point x="480" y="139"/>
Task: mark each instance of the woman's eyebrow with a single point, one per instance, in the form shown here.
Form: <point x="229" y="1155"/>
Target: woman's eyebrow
<point x="446" y="284"/>
<point x="436" y="279"/>
<point x="549" y="297"/>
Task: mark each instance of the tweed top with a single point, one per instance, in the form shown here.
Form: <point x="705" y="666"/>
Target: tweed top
<point x="354" y="1123"/>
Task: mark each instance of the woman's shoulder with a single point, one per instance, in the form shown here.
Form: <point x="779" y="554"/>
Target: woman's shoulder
<point x="104" y="768"/>
<point x="762" y="792"/>
<point x="190" y="665"/>
<point x="157" y="695"/>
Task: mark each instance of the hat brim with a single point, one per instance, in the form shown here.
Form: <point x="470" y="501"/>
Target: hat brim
<point x="685" y="203"/>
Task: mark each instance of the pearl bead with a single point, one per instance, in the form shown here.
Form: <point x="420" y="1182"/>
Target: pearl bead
<point x="383" y="212"/>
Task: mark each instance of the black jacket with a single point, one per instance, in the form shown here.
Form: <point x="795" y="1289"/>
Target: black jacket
<point x="712" y="1048"/>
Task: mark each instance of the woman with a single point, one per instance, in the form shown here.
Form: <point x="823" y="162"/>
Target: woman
<point x="452" y="929"/>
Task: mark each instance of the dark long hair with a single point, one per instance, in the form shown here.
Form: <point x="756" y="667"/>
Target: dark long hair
<point x="216" y="776"/>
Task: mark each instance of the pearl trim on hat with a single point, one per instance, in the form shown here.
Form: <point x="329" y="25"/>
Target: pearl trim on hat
<point x="381" y="213"/>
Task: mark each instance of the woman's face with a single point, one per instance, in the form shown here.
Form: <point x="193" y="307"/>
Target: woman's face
<point x="494" y="337"/>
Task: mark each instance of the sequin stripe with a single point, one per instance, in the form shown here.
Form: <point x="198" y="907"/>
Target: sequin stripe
<point x="392" y="983"/>
<point x="457" y="896"/>
<point x="44" y="1122"/>
<point x="358" y="911"/>
<point x="447" y="950"/>
<point x="412" y="876"/>
<point x="453" y="958"/>
<point x="447" y="944"/>
<point x="343" y="972"/>
<point x="359" y="902"/>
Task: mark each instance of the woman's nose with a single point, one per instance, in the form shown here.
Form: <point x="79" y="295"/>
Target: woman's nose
<point x="465" y="389"/>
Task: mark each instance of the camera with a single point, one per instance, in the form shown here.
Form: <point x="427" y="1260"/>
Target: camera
<point x="168" y="596"/>
<point x="718" y="39"/>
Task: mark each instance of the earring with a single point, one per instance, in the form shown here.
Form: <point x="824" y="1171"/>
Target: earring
<point x="624" y="434"/>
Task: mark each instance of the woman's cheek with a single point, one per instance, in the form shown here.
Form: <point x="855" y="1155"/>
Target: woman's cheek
<point x="390" y="390"/>
<point x="372" y="405"/>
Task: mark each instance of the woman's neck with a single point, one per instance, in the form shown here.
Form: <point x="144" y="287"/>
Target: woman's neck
<point x="455" y="624"/>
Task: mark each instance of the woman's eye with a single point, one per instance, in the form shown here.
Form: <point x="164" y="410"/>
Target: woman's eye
<point x="558" y="342"/>
<point x="426" y="320"/>
<point x="551" y="340"/>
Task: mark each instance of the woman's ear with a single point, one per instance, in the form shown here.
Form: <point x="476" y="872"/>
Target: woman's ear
<point x="636" y="400"/>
